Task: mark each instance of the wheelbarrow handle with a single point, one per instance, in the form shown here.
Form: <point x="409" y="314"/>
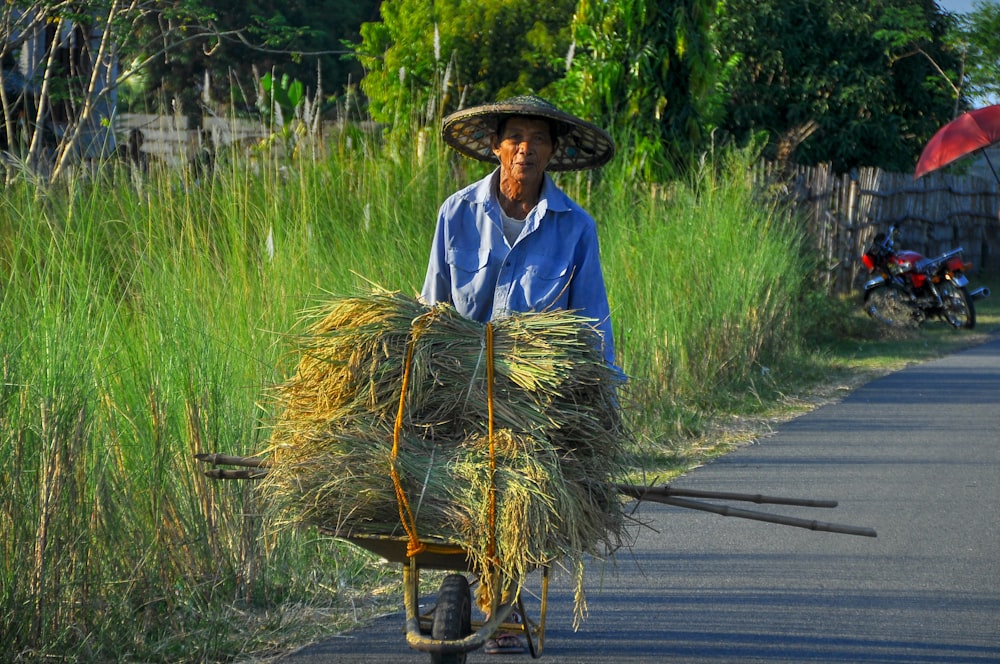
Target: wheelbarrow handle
<point x="809" y="524"/>
<point x="664" y="491"/>
<point x="227" y="460"/>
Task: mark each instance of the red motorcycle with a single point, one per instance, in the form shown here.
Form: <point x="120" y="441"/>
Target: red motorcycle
<point x="906" y="288"/>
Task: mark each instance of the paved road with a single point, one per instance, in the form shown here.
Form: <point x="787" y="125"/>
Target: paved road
<point x="915" y="455"/>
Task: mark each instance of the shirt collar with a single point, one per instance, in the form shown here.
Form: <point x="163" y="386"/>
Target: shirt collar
<point x="552" y="197"/>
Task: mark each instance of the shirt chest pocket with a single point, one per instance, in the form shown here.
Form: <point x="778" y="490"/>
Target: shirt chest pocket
<point x="546" y="268"/>
<point x="469" y="276"/>
<point x="467" y="261"/>
<point x="545" y="281"/>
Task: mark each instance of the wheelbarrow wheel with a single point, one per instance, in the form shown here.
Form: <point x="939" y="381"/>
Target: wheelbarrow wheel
<point x="452" y="617"/>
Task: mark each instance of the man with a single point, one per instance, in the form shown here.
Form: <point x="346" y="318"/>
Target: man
<point x="514" y="242"/>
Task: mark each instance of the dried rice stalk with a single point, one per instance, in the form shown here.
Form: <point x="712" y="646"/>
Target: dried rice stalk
<point x="558" y="436"/>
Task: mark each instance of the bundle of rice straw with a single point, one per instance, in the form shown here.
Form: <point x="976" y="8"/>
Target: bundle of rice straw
<point x="558" y="440"/>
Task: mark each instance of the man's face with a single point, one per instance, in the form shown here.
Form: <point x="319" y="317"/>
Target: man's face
<point x="525" y="148"/>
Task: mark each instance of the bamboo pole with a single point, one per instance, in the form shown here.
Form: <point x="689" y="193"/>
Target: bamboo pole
<point x="644" y="493"/>
<point x="726" y="510"/>
<point x="256" y="468"/>
<point x="228" y="474"/>
<point x="225" y="460"/>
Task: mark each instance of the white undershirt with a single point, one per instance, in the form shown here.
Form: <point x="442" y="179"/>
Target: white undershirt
<point x="511" y="227"/>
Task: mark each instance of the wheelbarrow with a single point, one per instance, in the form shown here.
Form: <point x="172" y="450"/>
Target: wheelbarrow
<point x="447" y="631"/>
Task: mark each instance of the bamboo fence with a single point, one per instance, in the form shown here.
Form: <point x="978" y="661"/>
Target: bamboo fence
<point x="844" y="211"/>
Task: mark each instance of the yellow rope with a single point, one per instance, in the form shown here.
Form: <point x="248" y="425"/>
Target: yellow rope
<point x="491" y="551"/>
<point x="414" y="546"/>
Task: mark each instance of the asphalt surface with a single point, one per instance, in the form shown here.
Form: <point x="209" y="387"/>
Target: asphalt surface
<point x="914" y="455"/>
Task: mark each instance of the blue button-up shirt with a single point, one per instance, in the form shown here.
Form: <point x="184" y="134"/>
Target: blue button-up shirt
<point x="553" y="264"/>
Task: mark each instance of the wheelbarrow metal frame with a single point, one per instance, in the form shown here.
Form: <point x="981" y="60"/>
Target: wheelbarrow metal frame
<point x="393" y="549"/>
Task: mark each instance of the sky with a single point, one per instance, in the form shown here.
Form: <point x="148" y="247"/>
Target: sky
<point x="956" y="6"/>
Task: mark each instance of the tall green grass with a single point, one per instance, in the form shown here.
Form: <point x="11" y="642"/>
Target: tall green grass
<point x="706" y="278"/>
<point x="146" y="315"/>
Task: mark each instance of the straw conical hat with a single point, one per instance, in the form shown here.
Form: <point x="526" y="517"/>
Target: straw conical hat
<point x="581" y="145"/>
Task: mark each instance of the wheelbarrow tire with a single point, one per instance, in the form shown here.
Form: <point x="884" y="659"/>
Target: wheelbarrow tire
<point x="452" y="617"/>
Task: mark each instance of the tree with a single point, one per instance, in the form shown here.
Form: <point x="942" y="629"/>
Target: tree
<point x="420" y="64"/>
<point x="62" y="64"/>
<point x="304" y="40"/>
<point x="59" y="76"/>
<point x="980" y="31"/>
<point x="852" y="82"/>
<point x="648" y="69"/>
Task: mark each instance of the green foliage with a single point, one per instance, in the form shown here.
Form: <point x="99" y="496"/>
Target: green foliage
<point x="853" y="83"/>
<point x="706" y="278"/>
<point x="229" y="39"/>
<point x="165" y="49"/>
<point x="285" y="95"/>
<point x="53" y="97"/>
<point x="421" y="65"/>
<point x="291" y="117"/>
<point x="648" y="70"/>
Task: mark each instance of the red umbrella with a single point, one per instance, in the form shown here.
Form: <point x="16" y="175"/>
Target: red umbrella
<point x="967" y="133"/>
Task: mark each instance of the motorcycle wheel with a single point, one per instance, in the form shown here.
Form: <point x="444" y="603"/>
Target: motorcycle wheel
<point x="956" y="306"/>
<point x="890" y="305"/>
